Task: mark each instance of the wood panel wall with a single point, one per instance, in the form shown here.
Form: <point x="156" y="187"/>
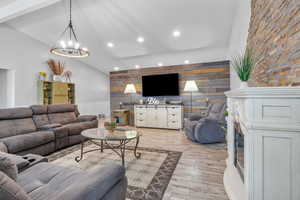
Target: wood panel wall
<point x="212" y="80"/>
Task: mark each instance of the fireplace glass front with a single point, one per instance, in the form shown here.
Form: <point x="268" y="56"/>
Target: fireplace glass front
<point x="239" y="149"/>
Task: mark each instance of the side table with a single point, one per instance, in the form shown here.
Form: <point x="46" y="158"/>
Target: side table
<point x="121" y="116"/>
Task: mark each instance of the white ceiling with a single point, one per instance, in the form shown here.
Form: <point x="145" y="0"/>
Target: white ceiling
<point x="205" y="27"/>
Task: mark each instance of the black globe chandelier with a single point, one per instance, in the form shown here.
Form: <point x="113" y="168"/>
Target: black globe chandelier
<point x="68" y="44"/>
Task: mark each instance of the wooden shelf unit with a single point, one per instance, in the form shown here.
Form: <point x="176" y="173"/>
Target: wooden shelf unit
<point x="52" y="92"/>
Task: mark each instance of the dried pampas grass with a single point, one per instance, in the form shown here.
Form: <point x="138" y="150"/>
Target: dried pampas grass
<point x="57" y="67"/>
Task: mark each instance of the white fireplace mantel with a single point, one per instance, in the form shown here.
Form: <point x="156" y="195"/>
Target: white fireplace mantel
<point x="270" y="120"/>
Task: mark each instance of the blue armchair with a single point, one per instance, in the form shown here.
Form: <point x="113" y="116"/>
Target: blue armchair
<point x="207" y="129"/>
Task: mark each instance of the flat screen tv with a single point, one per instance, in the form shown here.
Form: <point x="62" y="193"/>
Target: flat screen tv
<point x="160" y="85"/>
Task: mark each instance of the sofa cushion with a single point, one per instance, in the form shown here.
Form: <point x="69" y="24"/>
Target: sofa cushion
<point x="15" y="127"/>
<point x="15" y="113"/>
<point x="10" y="190"/>
<point x="39" y="109"/>
<point x="41" y="120"/>
<point x="8" y="167"/>
<point x="62" y="118"/>
<point x="45" y="179"/>
<point x="75" y="128"/>
<point x="87" y="118"/>
<point x="23" y="142"/>
<point x="217" y="111"/>
<point x="61" y="132"/>
<point x="50" y="126"/>
<point x="60" y="108"/>
<point x="19" y="161"/>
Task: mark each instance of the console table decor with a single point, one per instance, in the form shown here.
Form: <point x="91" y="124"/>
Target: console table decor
<point x="103" y="138"/>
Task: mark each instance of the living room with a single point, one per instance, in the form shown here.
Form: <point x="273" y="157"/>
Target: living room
<point x="149" y="100"/>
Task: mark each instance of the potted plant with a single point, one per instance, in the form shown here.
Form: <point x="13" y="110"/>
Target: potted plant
<point x="243" y="65"/>
<point x="111" y="126"/>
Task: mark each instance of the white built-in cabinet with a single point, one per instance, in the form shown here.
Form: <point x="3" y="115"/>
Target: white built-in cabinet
<point x="158" y="116"/>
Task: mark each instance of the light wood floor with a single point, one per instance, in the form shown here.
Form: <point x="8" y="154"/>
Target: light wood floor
<point x="199" y="173"/>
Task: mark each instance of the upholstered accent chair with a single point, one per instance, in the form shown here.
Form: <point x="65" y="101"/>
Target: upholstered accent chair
<point x="207" y="129"/>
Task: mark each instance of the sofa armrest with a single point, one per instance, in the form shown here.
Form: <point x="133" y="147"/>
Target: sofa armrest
<point x="87" y="118"/>
<point x="95" y="184"/>
<point x="49" y="127"/>
<point x="195" y="117"/>
<point x="3" y="147"/>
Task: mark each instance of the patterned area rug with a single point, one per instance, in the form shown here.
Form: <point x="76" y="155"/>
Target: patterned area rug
<point x="148" y="177"/>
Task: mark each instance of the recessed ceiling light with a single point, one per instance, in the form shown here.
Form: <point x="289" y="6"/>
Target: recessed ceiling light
<point x="160" y="64"/>
<point x="116" y="68"/>
<point x="186" y="62"/>
<point x="176" y="33"/>
<point x="137" y="66"/>
<point x="110" y="44"/>
<point x="140" y="39"/>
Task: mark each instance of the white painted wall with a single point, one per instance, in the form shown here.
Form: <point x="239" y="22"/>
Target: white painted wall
<point x="3" y="86"/>
<point x="26" y="57"/>
<point x="238" y="40"/>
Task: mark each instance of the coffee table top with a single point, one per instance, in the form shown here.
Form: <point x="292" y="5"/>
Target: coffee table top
<point x="117" y="134"/>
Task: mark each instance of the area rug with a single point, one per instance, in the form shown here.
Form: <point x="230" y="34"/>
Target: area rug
<point x="148" y="177"/>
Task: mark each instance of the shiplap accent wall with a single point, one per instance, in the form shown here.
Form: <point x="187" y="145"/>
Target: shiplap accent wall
<point x="211" y="78"/>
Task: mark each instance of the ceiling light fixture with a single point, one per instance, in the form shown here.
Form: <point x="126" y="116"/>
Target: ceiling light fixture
<point x="176" y="33"/>
<point x="160" y="64"/>
<point x="140" y="39"/>
<point x="137" y="66"/>
<point x="116" y="68"/>
<point x="186" y="62"/>
<point x="110" y="44"/>
<point x="68" y="45"/>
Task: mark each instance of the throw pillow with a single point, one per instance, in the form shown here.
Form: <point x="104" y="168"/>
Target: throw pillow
<point x="18" y="160"/>
<point x="10" y="190"/>
<point x="8" y="167"/>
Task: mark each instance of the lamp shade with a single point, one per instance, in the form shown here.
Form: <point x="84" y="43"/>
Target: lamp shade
<point x="130" y="88"/>
<point x="190" y="86"/>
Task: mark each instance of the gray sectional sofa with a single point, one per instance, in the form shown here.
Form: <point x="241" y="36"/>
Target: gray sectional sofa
<point x="42" y="129"/>
<point x="46" y="181"/>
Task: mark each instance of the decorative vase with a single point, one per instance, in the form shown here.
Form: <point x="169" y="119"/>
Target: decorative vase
<point x="243" y="85"/>
<point x="56" y="78"/>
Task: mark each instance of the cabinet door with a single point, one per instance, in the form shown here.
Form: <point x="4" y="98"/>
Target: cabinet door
<point x="161" y="117"/>
<point x="60" y="93"/>
<point x="151" y="118"/>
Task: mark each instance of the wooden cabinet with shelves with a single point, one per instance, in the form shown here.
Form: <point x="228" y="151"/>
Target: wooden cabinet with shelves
<point x="56" y="92"/>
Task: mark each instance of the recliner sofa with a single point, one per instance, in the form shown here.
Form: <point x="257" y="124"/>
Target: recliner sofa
<point x="42" y="129"/>
<point x="46" y="181"/>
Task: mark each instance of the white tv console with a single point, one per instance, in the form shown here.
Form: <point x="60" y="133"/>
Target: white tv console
<point x="158" y="116"/>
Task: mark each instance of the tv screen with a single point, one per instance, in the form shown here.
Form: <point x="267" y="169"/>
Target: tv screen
<point x="160" y="85"/>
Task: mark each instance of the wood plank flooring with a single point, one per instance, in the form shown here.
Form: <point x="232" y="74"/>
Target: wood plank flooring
<point x="199" y="173"/>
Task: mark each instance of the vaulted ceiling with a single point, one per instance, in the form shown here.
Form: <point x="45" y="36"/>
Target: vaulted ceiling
<point x="205" y="27"/>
